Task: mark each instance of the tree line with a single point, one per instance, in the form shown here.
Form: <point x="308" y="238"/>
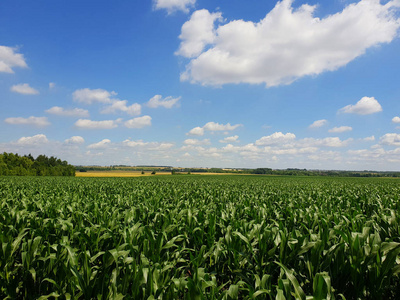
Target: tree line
<point x="15" y="165"/>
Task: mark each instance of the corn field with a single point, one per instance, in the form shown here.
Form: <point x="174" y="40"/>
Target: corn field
<point x="199" y="237"/>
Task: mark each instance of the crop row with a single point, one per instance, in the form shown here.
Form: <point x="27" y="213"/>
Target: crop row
<point x="194" y="237"/>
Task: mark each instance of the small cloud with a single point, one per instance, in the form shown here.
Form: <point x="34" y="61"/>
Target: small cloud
<point x="195" y="142"/>
<point x="100" y="145"/>
<point x="9" y="58"/>
<point x="318" y="124"/>
<point x="212" y="126"/>
<point x="89" y="124"/>
<point x="199" y="131"/>
<point x="38" y="139"/>
<point x="174" y="5"/>
<point x="340" y="129"/>
<point x="138" y="122"/>
<point x="34" y="121"/>
<point x="391" y="139"/>
<point x="75" y="112"/>
<point x="75" y="140"/>
<point x="275" y="138"/>
<point x="167" y="102"/>
<point x="230" y="139"/>
<point x="89" y="96"/>
<point x="369" y="138"/>
<point x="122" y="106"/>
<point x="24" y="89"/>
<point x="396" y="120"/>
<point x="366" y="106"/>
<point x="51" y="85"/>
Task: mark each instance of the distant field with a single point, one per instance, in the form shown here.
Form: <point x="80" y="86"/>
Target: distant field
<point x="199" y="237"/>
<point x="119" y="173"/>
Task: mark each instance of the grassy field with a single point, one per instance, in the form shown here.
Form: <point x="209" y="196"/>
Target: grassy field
<point x="199" y="237"/>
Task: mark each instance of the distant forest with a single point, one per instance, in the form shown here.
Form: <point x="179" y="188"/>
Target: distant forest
<point x="14" y="165"/>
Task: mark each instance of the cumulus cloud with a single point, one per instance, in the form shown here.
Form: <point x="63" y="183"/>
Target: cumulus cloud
<point x="284" y="46"/>
<point x="167" y="102"/>
<point x="396" y="120"/>
<point x="153" y="146"/>
<point x="89" y="96"/>
<point x="199" y="131"/>
<point x="24" y="89"/>
<point x="230" y="139"/>
<point x="89" y="124"/>
<point x="318" y="123"/>
<point x="197" y="33"/>
<point x="38" y="139"/>
<point x="213" y="126"/>
<point x="138" y="122"/>
<point x="340" y="129"/>
<point x="275" y="138"/>
<point x="52" y="85"/>
<point x="391" y="139"/>
<point x="100" y="145"/>
<point x="366" y="106"/>
<point x="174" y="5"/>
<point x="34" y="121"/>
<point x="195" y="142"/>
<point x="122" y="106"/>
<point x="334" y="142"/>
<point x="75" y="112"/>
<point x="9" y="58"/>
<point x="369" y="138"/>
<point x="75" y="140"/>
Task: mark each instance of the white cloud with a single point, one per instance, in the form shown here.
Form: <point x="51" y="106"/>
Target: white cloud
<point x="212" y="126"/>
<point x="366" y="106"/>
<point x="89" y="96"/>
<point x="391" y="139"/>
<point x="199" y="131"/>
<point x="38" y="139"/>
<point x="230" y="139"/>
<point x="174" y="5"/>
<point x="197" y="33"/>
<point x="195" y="142"/>
<point x="167" y="102"/>
<point x="138" y="122"/>
<point x="340" y="129"/>
<point x="89" y="124"/>
<point x="34" y="121"/>
<point x="9" y="59"/>
<point x="75" y="112"/>
<point x="153" y="146"/>
<point x="100" y="145"/>
<point x="318" y="123"/>
<point x="24" y="88"/>
<point x="333" y="142"/>
<point x="275" y="138"/>
<point x="396" y="120"/>
<point x="121" y="105"/>
<point x="75" y="140"/>
<point x="284" y="46"/>
<point x="52" y="85"/>
<point x="369" y="138"/>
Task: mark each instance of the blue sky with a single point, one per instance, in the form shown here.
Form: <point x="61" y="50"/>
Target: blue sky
<point x="193" y="83"/>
